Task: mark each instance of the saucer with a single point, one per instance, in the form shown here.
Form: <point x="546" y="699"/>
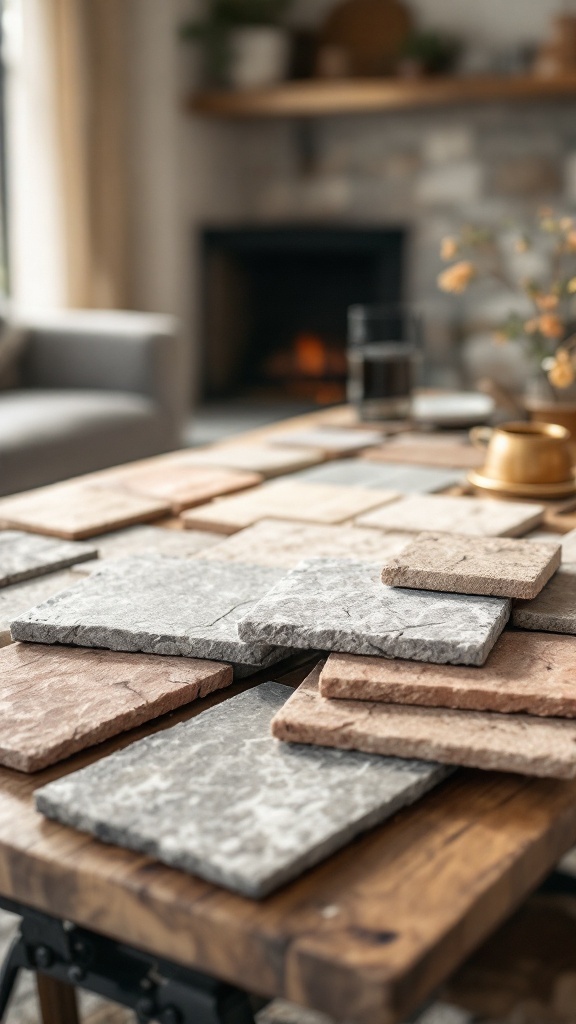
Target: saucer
<point x="488" y="483"/>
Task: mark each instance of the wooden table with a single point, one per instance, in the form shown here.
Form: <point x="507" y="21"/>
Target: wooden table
<point x="367" y="936"/>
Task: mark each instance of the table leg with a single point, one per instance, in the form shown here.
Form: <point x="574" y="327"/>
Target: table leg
<point x="58" y="1003"/>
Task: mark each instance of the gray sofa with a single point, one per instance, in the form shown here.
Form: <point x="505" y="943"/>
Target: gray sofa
<point x="95" y="389"/>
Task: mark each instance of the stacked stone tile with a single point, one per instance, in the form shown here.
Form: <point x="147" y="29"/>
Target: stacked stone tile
<point x="512" y="710"/>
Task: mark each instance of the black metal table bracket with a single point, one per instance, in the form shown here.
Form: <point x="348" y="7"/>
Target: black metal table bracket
<point x="155" y="989"/>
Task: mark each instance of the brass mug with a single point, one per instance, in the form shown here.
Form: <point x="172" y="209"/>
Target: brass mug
<point x="525" y="453"/>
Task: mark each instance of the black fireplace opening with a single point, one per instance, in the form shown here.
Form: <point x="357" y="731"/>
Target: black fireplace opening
<point x="276" y="301"/>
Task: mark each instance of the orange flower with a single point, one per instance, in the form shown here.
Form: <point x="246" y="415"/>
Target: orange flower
<point x="571" y="286"/>
<point x="521" y="245"/>
<point x="449" y="248"/>
<point x="531" y="326"/>
<point x="546" y="303"/>
<point x="566" y="223"/>
<point x="571" y="241"/>
<point x="550" y="325"/>
<point x="457" y="278"/>
<point x="499" y="337"/>
<point x="561" y="373"/>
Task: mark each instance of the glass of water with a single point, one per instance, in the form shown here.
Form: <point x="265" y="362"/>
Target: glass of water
<point x="384" y="346"/>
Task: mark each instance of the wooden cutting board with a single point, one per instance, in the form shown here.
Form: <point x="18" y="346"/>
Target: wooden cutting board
<point x="370" y="32"/>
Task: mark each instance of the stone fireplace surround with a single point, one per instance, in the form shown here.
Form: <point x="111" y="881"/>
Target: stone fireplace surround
<point x="427" y="170"/>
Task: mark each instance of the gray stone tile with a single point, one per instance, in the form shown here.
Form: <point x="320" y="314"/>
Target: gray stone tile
<point x="335" y="605"/>
<point x="158" y="606"/>
<point x="475" y="517"/>
<point x="151" y="541"/>
<point x="404" y="479"/>
<point x="554" y="610"/>
<point x="24" y="556"/>
<point x="219" y="797"/>
<point x="19" y="598"/>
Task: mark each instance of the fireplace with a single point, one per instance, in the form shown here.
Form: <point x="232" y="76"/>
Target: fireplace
<point x="276" y="301"/>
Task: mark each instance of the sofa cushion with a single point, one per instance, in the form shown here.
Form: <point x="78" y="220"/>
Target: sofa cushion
<point x="50" y="435"/>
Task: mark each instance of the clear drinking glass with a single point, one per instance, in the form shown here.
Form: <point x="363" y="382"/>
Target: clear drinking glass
<point x="384" y="345"/>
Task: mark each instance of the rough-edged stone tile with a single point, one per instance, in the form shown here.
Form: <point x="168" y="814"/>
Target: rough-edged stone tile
<point x="57" y="701"/>
<point x="530" y="673"/>
<point x="544" y="747"/>
<point x="554" y="609"/>
<point x="496" y="566"/>
<point x="150" y="541"/>
<point x="20" y="597"/>
<point x="158" y="606"/>
<point x="24" y="556"/>
<point x="446" y="514"/>
<point x="286" y="499"/>
<point x="218" y="797"/>
<point x="182" y="485"/>
<point x="78" y="510"/>
<point x="424" y="451"/>
<point x="361" y="473"/>
<point x="265" y="459"/>
<point x="331" y="440"/>
<point x="284" y="544"/>
<point x="334" y="605"/>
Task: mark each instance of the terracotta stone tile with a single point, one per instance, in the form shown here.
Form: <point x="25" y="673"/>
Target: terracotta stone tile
<point x="183" y="485"/>
<point x="285" y="544"/>
<point x="57" y="701"/>
<point x="286" y="499"/>
<point x="525" y="672"/>
<point x="77" y="510"/>
<point x="446" y="514"/>
<point x="496" y="566"/>
<point x="544" y="747"/>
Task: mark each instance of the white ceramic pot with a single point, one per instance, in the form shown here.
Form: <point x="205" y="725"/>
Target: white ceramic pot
<point x="259" y="56"/>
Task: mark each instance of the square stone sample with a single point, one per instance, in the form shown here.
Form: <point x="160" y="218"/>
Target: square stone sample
<point x="286" y="499"/>
<point x="361" y="473"/>
<point x="78" y="510"/>
<point x="284" y="544"/>
<point x="525" y="672"/>
<point x="181" y="484"/>
<point x="24" y="556"/>
<point x="56" y="701"/>
<point x="474" y="517"/>
<point x="21" y="597"/>
<point x="497" y="566"/>
<point x="333" y="605"/>
<point x="218" y="797"/>
<point x="554" y="609"/>
<point x="544" y="747"/>
<point x="429" y="450"/>
<point x="151" y="541"/>
<point x="159" y="606"/>
<point x="331" y="440"/>
<point x="265" y="459"/>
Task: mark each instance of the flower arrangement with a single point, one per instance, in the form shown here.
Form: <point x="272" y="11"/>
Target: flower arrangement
<point x="479" y="253"/>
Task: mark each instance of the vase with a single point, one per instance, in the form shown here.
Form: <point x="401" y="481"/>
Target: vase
<point x="259" y="56"/>
<point x="544" y="405"/>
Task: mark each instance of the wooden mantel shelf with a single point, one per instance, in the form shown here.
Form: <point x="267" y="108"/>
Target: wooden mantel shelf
<point x="317" y="98"/>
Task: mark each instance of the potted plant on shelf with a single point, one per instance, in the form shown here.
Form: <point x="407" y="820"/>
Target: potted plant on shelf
<point x="547" y="330"/>
<point x="244" y="42"/>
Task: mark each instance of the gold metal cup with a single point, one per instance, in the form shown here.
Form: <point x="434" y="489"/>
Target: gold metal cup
<point x="525" y="453"/>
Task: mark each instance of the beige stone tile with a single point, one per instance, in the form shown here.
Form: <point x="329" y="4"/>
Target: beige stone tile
<point x="183" y="485"/>
<point x="446" y="514"/>
<point x="286" y="499"/>
<point x="495" y="566"/>
<point x="77" y="510"/>
<point x="285" y="544"/>
<point x="266" y="459"/>
<point x="542" y="747"/>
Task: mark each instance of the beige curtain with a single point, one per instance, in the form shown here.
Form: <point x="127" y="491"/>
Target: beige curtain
<point x="91" y="43"/>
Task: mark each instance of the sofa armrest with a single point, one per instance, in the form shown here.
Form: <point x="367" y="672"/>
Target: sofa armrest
<point x="114" y="351"/>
